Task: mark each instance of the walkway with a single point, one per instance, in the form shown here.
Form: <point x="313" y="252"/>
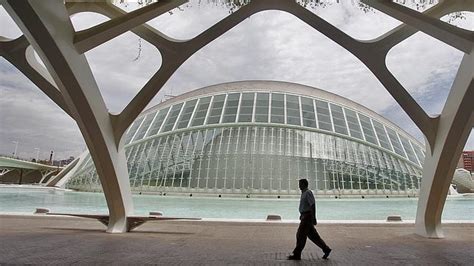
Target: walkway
<point x="64" y="240"/>
<point x="6" y="162"/>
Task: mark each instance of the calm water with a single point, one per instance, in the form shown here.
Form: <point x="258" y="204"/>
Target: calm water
<point x="25" y="200"/>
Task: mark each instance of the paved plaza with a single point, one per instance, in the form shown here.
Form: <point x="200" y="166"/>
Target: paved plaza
<point x="45" y="239"/>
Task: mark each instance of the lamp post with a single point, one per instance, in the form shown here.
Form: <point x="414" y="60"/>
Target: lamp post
<point x="16" y="148"/>
<point x="51" y="159"/>
<point x="37" y="154"/>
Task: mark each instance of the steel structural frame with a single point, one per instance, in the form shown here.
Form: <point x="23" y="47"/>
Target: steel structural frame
<point x="69" y="82"/>
<point x="145" y="147"/>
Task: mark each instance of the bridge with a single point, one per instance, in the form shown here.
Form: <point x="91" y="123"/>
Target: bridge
<point x="17" y="171"/>
<point x="70" y="82"/>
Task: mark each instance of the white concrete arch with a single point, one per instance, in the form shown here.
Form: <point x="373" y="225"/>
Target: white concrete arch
<point x="77" y="85"/>
<point x="363" y="50"/>
<point x="19" y="53"/>
<point x="62" y="177"/>
<point x="45" y="175"/>
<point x="388" y="40"/>
<point x="61" y="48"/>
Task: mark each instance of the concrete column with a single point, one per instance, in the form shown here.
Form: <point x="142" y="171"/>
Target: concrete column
<point x="455" y="124"/>
<point x="47" y="27"/>
<point x="21" y="177"/>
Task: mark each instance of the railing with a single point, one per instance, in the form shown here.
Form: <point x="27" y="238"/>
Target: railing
<point x="28" y="160"/>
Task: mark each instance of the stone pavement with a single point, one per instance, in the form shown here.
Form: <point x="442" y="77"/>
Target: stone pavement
<point x="63" y="240"/>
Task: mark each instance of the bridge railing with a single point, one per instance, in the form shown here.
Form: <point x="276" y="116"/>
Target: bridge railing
<point x="30" y="160"/>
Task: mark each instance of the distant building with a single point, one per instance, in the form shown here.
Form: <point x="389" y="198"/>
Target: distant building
<point x="467" y="160"/>
<point x="261" y="137"/>
<point x="63" y="162"/>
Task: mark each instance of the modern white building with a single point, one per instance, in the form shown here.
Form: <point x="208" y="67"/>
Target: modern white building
<point x="260" y="137"/>
<point x="69" y="82"/>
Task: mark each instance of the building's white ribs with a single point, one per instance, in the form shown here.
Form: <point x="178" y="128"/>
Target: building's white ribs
<point x="61" y="49"/>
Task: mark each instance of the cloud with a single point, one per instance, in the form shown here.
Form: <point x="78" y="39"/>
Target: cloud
<point x="268" y="45"/>
<point x="118" y="75"/>
<point x="9" y="28"/>
<point x="31" y="118"/>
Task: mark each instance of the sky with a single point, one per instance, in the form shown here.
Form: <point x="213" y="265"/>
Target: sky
<point x="270" y="45"/>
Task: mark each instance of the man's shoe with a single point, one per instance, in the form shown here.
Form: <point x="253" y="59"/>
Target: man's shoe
<point x="326" y="254"/>
<point x="294" y="257"/>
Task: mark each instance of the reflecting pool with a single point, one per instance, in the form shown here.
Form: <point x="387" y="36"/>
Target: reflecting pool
<point x="27" y="199"/>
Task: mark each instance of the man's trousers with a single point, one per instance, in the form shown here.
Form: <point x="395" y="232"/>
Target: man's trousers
<point x="307" y="230"/>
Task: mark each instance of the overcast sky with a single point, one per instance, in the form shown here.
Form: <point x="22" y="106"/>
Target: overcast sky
<point x="270" y="45"/>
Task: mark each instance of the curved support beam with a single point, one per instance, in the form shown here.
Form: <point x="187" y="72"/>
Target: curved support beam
<point x="7" y="175"/>
<point x="122" y="121"/>
<point x="8" y="45"/>
<point x="148" y="33"/>
<point x="366" y="52"/>
<point x="52" y="38"/>
<point x="36" y="65"/>
<point x="172" y="61"/>
<point x="388" y="40"/>
<point x="425" y="123"/>
<point x="455" y="124"/>
<point x="374" y="59"/>
<point x="59" y="179"/>
<point x="215" y="31"/>
<point x="46" y="174"/>
<point x="90" y="38"/>
<point x="4" y="171"/>
<point x="361" y="50"/>
<point x="458" y="38"/>
<point x="16" y="52"/>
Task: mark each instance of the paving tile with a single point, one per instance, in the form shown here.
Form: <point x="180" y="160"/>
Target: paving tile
<point x="49" y="240"/>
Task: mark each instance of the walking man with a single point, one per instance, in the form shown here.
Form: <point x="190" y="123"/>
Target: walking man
<point x="307" y="222"/>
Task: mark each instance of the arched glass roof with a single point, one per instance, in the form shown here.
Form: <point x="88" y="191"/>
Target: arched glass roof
<point x="265" y="106"/>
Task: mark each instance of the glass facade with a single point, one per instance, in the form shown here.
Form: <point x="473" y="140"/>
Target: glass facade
<point x="263" y="142"/>
<point x="278" y="108"/>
